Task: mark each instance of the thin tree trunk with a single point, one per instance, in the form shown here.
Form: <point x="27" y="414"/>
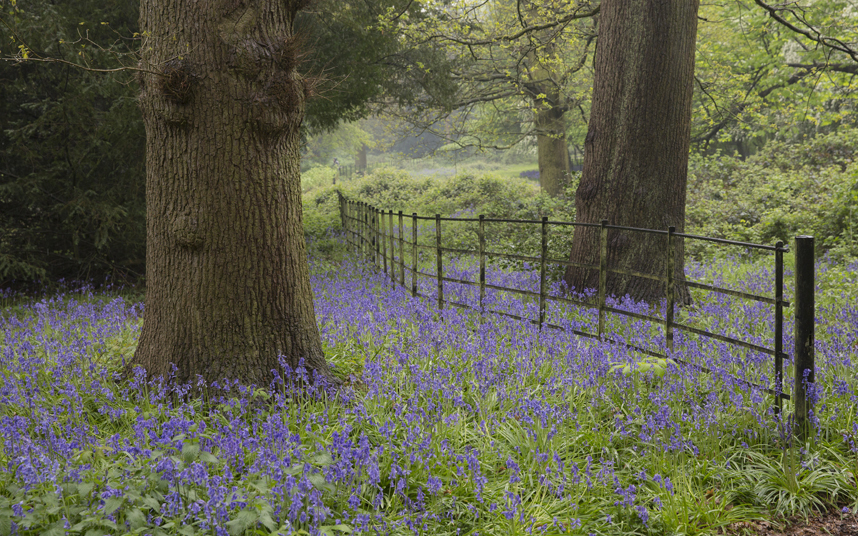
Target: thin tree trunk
<point x="636" y="150"/>
<point x="228" y="287"/>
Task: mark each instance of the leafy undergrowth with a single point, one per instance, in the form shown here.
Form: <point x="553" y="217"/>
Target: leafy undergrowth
<point x="448" y="425"/>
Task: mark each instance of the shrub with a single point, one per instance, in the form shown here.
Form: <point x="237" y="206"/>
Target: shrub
<point x="783" y="191"/>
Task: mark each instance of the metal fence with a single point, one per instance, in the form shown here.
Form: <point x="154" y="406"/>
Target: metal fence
<point x="378" y="234"/>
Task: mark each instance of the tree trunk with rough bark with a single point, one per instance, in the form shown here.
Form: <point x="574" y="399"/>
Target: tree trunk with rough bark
<point x="360" y="159"/>
<point x="552" y="153"/>
<point x="636" y="149"/>
<point x="228" y="286"/>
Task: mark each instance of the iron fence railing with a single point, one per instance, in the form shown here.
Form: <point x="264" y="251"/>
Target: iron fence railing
<point x="367" y="231"/>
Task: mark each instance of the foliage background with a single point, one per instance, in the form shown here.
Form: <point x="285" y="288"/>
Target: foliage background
<point x="72" y="199"/>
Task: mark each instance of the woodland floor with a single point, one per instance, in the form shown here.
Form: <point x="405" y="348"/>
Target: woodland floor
<point x="830" y="524"/>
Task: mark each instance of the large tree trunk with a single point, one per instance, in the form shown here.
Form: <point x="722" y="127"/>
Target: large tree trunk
<point x="553" y="155"/>
<point x="228" y="286"/>
<point x="636" y="150"/>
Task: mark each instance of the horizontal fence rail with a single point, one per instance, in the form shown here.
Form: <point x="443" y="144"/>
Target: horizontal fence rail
<point x="377" y="234"/>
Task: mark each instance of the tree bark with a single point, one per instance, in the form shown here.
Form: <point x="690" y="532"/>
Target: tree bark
<point x="228" y="287"/>
<point x="636" y="149"/>
<point x="552" y="153"/>
<point x="549" y="121"/>
<point x="360" y="159"/>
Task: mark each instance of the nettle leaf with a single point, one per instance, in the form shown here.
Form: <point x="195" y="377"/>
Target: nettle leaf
<point x="268" y="522"/>
<point x="208" y="457"/>
<point x="85" y="489"/>
<point x="152" y="503"/>
<point x="190" y="452"/>
<point x="57" y="529"/>
<point x="320" y="483"/>
<point x="136" y="518"/>
<point x="112" y="504"/>
<point x="243" y="521"/>
<point x="335" y="530"/>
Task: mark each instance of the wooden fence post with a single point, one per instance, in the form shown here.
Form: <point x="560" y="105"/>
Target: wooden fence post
<point x="364" y="222"/>
<point x="603" y="274"/>
<point x="482" y="236"/>
<point x="438" y="257"/>
<point x="414" y="255"/>
<point x="392" y="248"/>
<point x="342" y="212"/>
<point x="804" y="333"/>
<point x="779" y="325"/>
<point x="368" y="237"/>
<point x="670" y="293"/>
<point x="376" y="232"/>
<point x="401" y="251"/>
<point x="382" y="237"/>
<point x="544" y="255"/>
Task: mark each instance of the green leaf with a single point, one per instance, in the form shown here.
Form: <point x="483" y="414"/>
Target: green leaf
<point x="112" y="504"/>
<point x="190" y="452"/>
<point x="320" y="483"/>
<point x="334" y="530"/>
<point x="136" y="518"/>
<point x="57" y="529"/>
<point x="323" y="459"/>
<point x="268" y="522"/>
<point x="243" y="521"/>
<point x="152" y="503"/>
<point x="208" y="457"/>
<point x="85" y="489"/>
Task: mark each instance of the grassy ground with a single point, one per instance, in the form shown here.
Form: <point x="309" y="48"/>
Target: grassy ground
<point x="448" y="425"/>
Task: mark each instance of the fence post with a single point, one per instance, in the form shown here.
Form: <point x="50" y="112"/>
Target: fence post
<point x="349" y="224"/>
<point x="363" y="227"/>
<point x="376" y="228"/>
<point x="401" y="251"/>
<point x="382" y="238"/>
<point x="603" y="274"/>
<point x="670" y="290"/>
<point x="438" y="256"/>
<point x="342" y="212"/>
<point x="482" y="235"/>
<point x="370" y="246"/>
<point x="779" y="324"/>
<point x="414" y="255"/>
<point x="367" y="238"/>
<point x="804" y="333"/>
<point x="542" y="259"/>
<point x="392" y="248"/>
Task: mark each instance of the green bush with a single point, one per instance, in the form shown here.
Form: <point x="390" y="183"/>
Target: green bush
<point x="783" y="191"/>
<point x="317" y="177"/>
<point x="465" y="195"/>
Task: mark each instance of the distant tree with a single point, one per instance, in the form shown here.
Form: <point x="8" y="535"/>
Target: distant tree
<point x="513" y="58"/>
<point x="636" y="150"/>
